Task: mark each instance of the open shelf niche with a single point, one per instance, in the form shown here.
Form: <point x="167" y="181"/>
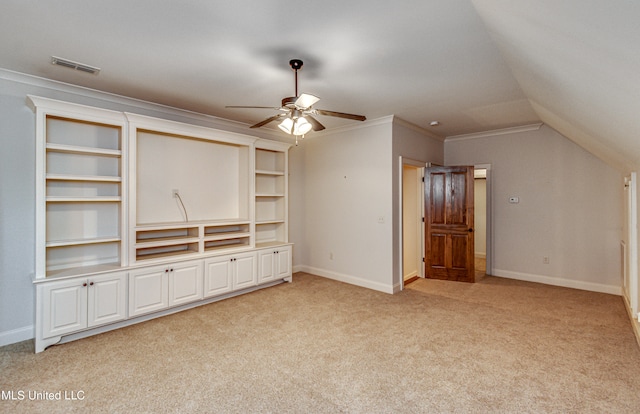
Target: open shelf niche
<point x="191" y="192"/>
<point x="271" y="191"/>
<point x="79" y="204"/>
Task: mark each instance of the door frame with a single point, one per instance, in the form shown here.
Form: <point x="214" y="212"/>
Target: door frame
<point x="420" y="165"/>
<point x="490" y="221"/>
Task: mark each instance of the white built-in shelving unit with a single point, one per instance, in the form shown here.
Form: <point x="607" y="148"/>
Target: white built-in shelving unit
<point x="137" y="217"/>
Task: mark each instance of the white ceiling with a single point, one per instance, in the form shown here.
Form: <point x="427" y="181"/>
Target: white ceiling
<point x="473" y="65"/>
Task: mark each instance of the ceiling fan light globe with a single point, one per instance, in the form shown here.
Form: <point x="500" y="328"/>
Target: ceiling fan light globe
<point x="302" y="126"/>
<point x="286" y="125"/>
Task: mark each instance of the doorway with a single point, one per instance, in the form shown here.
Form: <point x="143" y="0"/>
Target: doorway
<point x="412" y="211"/>
<point x="480" y="221"/>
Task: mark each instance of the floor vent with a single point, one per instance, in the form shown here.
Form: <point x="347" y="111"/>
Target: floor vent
<point x="74" y="65"/>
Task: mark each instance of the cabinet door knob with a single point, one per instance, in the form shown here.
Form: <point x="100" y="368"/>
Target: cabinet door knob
<point x="91" y="284"/>
<point x="84" y="284"/>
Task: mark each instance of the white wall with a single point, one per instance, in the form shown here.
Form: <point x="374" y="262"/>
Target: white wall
<point x="343" y="191"/>
<point x="570" y="208"/>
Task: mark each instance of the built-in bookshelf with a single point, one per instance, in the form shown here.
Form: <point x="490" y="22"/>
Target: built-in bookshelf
<point x="138" y="215"/>
<point x="270" y="195"/>
<point x="80" y="189"/>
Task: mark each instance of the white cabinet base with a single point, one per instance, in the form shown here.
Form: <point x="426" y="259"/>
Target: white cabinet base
<point x="42" y="343"/>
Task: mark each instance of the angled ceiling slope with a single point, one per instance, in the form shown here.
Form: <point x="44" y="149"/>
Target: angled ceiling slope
<point x="578" y="63"/>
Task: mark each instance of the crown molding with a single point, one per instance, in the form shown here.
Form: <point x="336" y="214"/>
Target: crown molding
<point x="416" y="128"/>
<point x="82" y="91"/>
<point x="492" y="133"/>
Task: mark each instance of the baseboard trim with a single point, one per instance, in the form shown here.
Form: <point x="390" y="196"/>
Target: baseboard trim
<point x="17" y="335"/>
<point x="340" y="277"/>
<point x="635" y="323"/>
<point x="556" y="281"/>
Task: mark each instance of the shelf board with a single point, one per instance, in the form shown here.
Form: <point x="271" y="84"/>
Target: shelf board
<point x="269" y="172"/>
<point x="273" y="221"/>
<point x="98" y="199"/>
<point x="92" y="178"/>
<point x="270" y="243"/>
<point x="165" y="255"/>
<point x="228" y="248"/>
<point x="81" y="270"/>
<point x="74" y="149"/>
<point x="191" y="224"/>
<point x="225" y="236"/>
<point x="269" y="194"/>
<point x="165" y="242"/>
<point x="81" y="242"/>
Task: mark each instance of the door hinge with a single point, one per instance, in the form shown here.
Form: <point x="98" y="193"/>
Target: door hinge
<point x="423" y="179"/>
<point x="423" y="219"/>
<point x="423" y="260"/>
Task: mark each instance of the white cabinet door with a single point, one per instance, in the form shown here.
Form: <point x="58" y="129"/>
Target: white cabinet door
<point x="266" y="265"/>
<point x="283" y="262"/>
<point x="64" y="307"/>
<point x="218" y="273"/>
<point x="148" y="290"/>
<point x="185" y="282"/>
<point x="244" y="270"/>
<point x="106" y="298"/>
<point x="274" y="264"/>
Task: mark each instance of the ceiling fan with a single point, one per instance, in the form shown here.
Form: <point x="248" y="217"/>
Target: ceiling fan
<point x="296" y="111"/>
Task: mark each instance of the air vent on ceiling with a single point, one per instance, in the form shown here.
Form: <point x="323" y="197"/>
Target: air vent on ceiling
<point x="74" y="65"/>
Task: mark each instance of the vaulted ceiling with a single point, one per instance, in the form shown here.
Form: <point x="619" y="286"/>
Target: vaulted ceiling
<point x="472" y="65"/>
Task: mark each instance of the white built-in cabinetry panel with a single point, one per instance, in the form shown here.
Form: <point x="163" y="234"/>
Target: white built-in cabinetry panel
<point x="80" y="303"/>
<point x="137" y="217"/>
<point x="274" y="263"/>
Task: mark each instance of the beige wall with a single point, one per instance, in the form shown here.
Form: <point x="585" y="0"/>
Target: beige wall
<point x="341" y="205"/>
<point x="570" y="208"/>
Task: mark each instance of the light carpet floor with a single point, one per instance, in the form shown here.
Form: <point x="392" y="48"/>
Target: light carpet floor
<point x="320" y="346"/>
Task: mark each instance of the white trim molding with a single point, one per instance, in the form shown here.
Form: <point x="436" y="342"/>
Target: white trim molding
<point x="352" y="280"/>
<point x="504" y="131"/>
<point x="561" y="282"/>
<point x="17" y="335"/>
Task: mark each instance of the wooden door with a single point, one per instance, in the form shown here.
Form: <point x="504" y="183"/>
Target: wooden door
<point x="449" y="248"/>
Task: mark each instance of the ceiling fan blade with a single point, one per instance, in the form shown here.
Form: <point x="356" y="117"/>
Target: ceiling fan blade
<point x="317" y="126"/>
<point x="266" y="121"/>
<point x="305" y="100"/>
<point x="251" y="107"/>
<point x="340" y="115"/>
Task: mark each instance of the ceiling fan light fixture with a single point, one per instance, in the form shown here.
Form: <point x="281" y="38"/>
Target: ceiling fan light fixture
<point x="297" y="126"/>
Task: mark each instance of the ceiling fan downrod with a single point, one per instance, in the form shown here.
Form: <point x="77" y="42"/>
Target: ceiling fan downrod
<point x="296" y="64"/>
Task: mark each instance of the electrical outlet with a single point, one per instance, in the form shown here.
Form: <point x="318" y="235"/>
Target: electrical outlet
<point x="545" y="260"/>
<point x="381" y="219"/>
<point x="175" y="193"/>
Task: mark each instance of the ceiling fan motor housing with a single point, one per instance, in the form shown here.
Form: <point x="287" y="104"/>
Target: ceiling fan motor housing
<point x="295" y="64"/>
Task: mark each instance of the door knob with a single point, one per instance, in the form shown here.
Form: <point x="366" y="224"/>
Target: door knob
<point x="470" y="230"/>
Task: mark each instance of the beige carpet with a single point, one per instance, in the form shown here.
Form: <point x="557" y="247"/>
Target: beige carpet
<point x="316" y="345"/>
